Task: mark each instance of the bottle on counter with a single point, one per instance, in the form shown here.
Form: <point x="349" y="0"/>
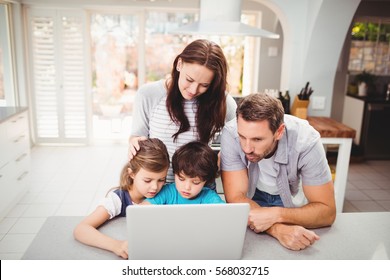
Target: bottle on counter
<point x="285" y="100"/>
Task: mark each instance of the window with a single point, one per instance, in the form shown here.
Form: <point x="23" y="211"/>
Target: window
<point x="58" y="75"/>
<point x="159" y="60"/>
<point x="122" y="61"/>
<point x="370" y="46"/>
<point x="7" y="84"/>
<point x="114" y="51"/>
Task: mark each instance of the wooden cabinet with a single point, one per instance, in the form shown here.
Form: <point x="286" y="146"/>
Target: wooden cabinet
<point x="15" y="157"/>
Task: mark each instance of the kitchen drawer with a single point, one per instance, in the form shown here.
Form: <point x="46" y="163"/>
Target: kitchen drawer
<point x="5" y="183"/>
<point x="14" y="160"/>
<point x="13" y="182"/>
<point x="5" y="151"/>
<point x="19" y="144"/>
<point x="16" y="125"/>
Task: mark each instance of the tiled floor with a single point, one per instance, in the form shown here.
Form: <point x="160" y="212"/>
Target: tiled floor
<point x="368" y="187"/>
<point x="68" y="181"/>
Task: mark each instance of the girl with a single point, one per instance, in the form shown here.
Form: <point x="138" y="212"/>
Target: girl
<point x="191" y="105"/>
<point x="143" y="177"/>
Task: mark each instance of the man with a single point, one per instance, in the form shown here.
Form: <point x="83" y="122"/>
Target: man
<point x="265" y="155"/>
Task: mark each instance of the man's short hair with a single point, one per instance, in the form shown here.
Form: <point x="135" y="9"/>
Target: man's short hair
<point x="260" y="107"/>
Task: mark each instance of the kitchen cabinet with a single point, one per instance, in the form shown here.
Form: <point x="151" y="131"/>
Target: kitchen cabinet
<point x="353" y="115"/>
<point x="15" y="156"/>
<point x="369" y="116"/>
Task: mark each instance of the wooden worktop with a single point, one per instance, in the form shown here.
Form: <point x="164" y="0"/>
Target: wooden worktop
<point x="328" y="127"/>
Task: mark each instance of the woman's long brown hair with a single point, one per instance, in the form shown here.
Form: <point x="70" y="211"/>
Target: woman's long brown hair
<point x="211" y="113"/>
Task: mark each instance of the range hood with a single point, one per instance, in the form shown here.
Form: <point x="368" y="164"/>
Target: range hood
<point x="222" y="17"/>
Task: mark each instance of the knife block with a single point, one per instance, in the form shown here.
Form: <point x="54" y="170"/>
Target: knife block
<point x="299" y="108"/>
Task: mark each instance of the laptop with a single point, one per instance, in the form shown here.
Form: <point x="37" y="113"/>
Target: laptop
<point x="186" y="232"/>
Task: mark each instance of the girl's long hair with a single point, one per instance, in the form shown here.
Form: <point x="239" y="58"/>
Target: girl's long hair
<point x="211" y="113"/>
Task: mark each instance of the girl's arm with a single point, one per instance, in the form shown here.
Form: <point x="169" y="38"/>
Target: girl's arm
<point x="86" y="232"/>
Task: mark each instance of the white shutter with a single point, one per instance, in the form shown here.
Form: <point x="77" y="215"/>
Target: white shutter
<point x="44" y="77"/>
<point x="58" y="75"/>
<point x="73" y="68"/>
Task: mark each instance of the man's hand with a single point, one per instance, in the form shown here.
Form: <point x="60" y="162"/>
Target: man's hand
<point x="293" y="237"/>
<point x="262" y="218"/>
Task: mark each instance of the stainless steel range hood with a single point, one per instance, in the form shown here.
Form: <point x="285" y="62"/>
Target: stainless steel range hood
<point x="222" y="17"/>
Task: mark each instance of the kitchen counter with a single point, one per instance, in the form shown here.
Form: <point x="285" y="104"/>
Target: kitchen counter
<point x="379" y="99"/>
<point x="353" y="236"/>
<point x="328" y="127"/>
<point x="8" y="112"/>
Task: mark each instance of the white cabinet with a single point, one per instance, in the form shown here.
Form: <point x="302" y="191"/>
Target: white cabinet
<point x="14" y="159"/>
<point x="353" y="115"/>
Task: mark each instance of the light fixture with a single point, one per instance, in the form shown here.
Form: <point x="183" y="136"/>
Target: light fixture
<point x="222" y="17"/>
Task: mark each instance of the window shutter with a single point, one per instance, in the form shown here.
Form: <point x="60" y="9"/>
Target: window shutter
<point x="73" y="78"/>
<point x="58" y="75"/>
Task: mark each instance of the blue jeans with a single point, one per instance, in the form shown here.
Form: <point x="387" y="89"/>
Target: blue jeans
<point x="267" y="200"/>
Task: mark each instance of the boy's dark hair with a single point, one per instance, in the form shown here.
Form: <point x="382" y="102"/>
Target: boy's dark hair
<point x="196" y="159"/>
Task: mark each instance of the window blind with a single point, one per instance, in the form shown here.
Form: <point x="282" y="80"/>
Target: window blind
<point x="58" y="76"/>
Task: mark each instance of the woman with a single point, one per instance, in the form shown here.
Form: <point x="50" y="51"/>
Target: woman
<point x="192" y="105"/>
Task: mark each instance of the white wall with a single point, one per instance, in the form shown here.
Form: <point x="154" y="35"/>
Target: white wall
<point x="314" y="33"/>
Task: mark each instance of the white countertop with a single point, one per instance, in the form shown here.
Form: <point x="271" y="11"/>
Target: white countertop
<point x="353" y="236"/>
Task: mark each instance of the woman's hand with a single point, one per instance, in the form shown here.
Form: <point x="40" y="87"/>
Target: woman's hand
<point x="134" y="145"/>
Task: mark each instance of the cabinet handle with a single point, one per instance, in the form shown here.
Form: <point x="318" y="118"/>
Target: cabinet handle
<point x="17" y="119"/>
<point x="19" y="138"/>
<point x="21" y="157"/>
<point x="22" y="176"/>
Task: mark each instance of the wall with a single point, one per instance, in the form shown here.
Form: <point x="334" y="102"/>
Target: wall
<point x="270" y="68"/>
<point x="314" y="33"/>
